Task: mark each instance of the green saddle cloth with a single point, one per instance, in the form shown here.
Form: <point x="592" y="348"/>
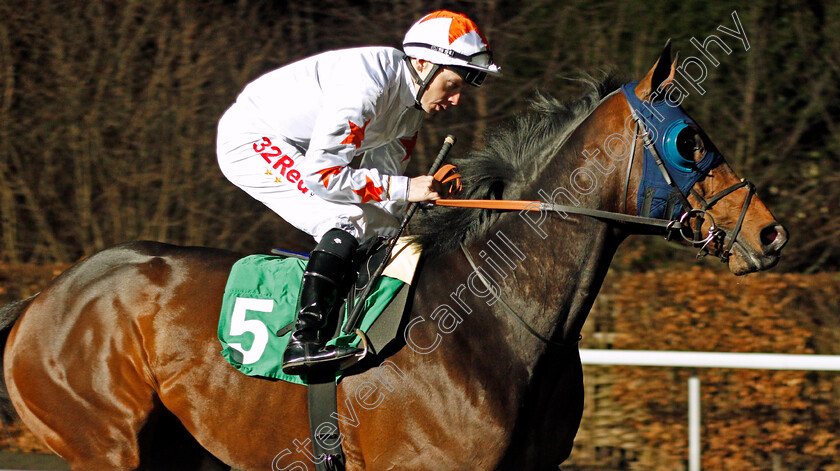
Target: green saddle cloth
<point x="260" y="298"/>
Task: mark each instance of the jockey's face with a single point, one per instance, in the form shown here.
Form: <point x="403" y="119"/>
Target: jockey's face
<point x="444" y="90"/>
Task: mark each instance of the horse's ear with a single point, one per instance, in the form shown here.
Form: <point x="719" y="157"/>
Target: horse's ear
<point x="662" y="71"/>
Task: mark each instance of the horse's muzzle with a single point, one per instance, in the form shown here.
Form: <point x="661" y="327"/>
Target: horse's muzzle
<point x="746" y="259"/>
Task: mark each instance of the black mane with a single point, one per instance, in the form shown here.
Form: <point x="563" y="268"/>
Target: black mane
<point x="513" y="156"/>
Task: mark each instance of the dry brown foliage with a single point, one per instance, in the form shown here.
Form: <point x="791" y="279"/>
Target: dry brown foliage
<point x="752" y="419"/>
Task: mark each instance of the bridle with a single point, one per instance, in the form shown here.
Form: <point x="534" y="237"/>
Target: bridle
<point x="697" y="215"/>
<point x="688" y="224"/>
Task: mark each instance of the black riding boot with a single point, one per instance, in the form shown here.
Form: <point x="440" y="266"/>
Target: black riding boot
<point x="324" y="276"/>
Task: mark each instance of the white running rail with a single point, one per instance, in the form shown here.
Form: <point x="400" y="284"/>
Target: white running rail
<point x="761" y="361"/>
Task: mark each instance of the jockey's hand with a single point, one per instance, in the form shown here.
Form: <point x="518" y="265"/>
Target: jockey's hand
<point x="422" y="189"/>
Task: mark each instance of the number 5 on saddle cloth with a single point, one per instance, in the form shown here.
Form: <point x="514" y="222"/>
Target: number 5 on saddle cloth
<point x="261" y="298"/>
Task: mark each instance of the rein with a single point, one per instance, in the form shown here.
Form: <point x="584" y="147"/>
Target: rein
<point x="521" y="205"/>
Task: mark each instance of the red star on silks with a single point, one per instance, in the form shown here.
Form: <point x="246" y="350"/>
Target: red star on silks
<point x="409" y="145"/>
<point x="327" y="173"/>
<point x="369" y="192"/>
<point x="357" y="134"/>
<point x="459" y="26"/>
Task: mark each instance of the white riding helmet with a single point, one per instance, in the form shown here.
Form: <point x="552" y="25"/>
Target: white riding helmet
<point x="453" y="41"/>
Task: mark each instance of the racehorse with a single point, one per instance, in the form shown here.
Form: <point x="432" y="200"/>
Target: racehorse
<point x="116" y="365"/>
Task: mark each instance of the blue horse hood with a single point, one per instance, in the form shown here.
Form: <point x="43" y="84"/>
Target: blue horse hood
<point x="665" y="120"/>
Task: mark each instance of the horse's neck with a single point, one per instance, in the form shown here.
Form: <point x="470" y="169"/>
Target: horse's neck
<point x="549" y="283"/>
<point x="567" y="255"/>
<point x="554" y="286"/>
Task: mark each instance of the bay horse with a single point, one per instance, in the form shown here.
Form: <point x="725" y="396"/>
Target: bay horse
<point x="116" y="364"/>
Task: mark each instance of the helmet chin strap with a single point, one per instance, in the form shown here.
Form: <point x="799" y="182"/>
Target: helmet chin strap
<point x="422" y="84"/>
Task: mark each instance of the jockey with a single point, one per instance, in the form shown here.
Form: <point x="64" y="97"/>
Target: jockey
<point x="291" y="135"/>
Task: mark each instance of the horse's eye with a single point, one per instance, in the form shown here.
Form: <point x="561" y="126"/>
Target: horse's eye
<point x="689" y="141"/>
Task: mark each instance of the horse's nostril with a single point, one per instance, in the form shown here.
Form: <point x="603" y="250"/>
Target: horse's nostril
<point x="768" y="235"/>
<point x="773" y="236"/>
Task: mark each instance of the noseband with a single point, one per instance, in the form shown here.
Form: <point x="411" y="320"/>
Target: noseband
<point x="717" y="234"/>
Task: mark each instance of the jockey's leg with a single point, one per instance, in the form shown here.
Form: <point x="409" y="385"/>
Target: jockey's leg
<point x="323" y="278"/>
